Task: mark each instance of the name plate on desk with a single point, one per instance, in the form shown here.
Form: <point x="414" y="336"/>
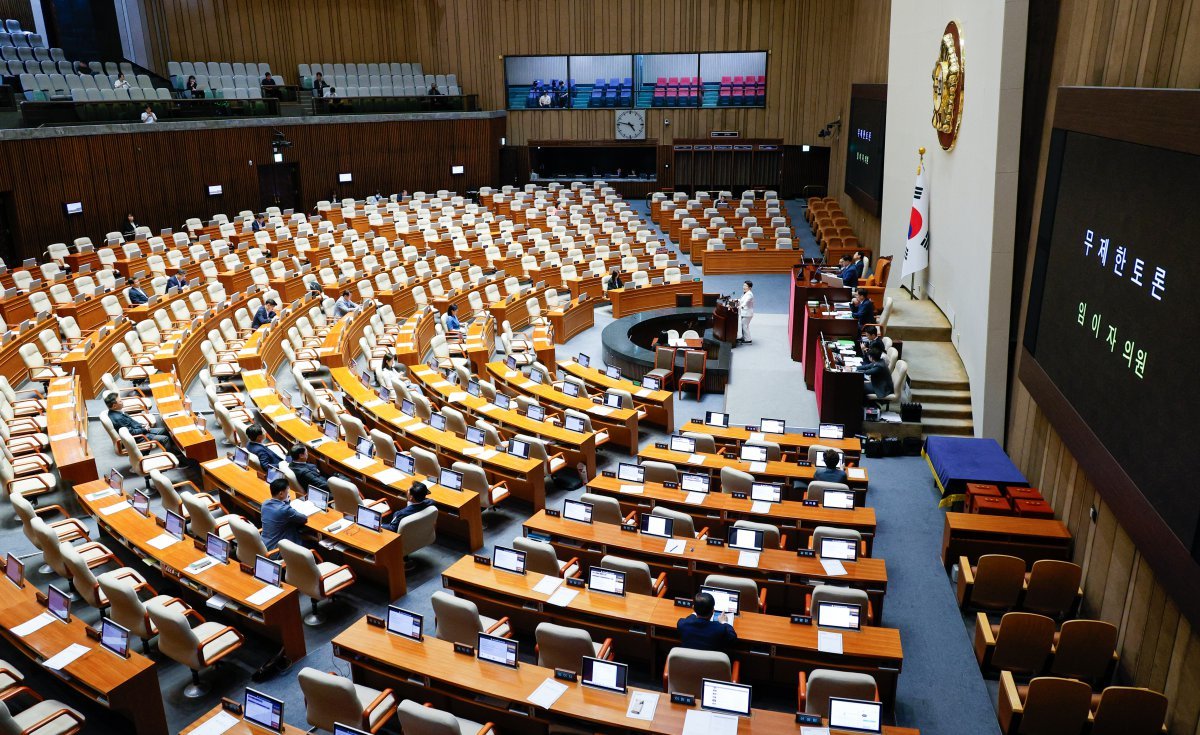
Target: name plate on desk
<point x="464" y="649"/>
<point x="805" y="719"/>
<point x="683" y="602"/>
<point x="550" y="512"/>
<point x="806" y="552"/>
<point x="739" y="496"/>
<point x="715" y="541"/>
<point x="804" y="463"/>
<point x="608" y="473"/>
<point x="660" y="445"/>
<point x="801" y="620"/>
<point x="629" y="527"/>
<point x="482" y="559"/>
<point x="565" y="675"/>
<point x="686" y="700"/>
<point x="696" y="421"/>
<point x="575" y="582"/>
<point x="811" y="503"/>
<point x="810" y="434"/>
<point x="232" y="707"/>
<point x="375" y="621"/>
<point x="671" y="485"/>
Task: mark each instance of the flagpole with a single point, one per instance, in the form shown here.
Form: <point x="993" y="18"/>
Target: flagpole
<point x="912" y="278"/>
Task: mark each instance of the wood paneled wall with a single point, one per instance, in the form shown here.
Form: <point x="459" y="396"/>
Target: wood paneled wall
<point x="818" y="48"/>
<point x="1114" y="43"/>
<point x="162" y="175"/>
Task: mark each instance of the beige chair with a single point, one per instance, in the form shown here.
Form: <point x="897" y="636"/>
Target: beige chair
<point x="426" y="462"/>
<point x="695" y="366"/>
<point x="30" y="482"/>
<point x="604" y="508"/>
<point x="93" y="553"/>
<point x="330" y="699"/>
<point x="1129" y="711"/>
<point x="682" y="525"/>
<point x="1020" y="643"/>
<point x="1052" y="588"/>
<point x="1085" y="650"/>
<point x="142" y="464"/>
<point x="248" y="543"/>
<point x="816" y="490"/>
<point x="995" y="583"/>
<point x="688" y="667"/>
<point x="415" y="719"/>
<point x="750" y="599"/>
<point x="320" y="580"/>
<point x="833" y="593"/>
<point x="45" y="717"/>
<point x="345" y="498"/>
<point x="561" y="647"/>
<point x="168" y="492"/>
<point x="475" y="480"/>
<point x="705" y="443"/>
<point x="86" y="584"/>
<point x="772" y="537"/>
<point x="538" y="450"/>
<point x="541" y="558"/>
<point x="10" y="677"/>
<point x="637" y="575"/>
<point x="459" y="621"/>
<point x="736" y="481"/>
<point x="660" y="472"/>
<point x="196" y="648"/>
<point x="1048" y="706"/>
<point x="602" y="435"/>
<point x="385" y="447"/>
<point x="817" y="686"/>
<point x="848" y="534"/>
<point x="774" y="452"/>
<point x="201" y="520"/>
<point x="66" y="531"/>
<point x="417" y="531"/>
<point x="128" y="610"/>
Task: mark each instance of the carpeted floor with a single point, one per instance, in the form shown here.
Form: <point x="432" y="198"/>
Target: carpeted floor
<point x="940" y="691"/>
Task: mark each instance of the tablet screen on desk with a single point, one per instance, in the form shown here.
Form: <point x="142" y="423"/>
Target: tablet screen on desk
<point x="437" y="421"/>
<point x="691" y="483"/>
<point x="241" y="458"/>
<point x="536" y="376"/>
<point x="511" y="363"/>
<point x="14" y="569"/>
<point x="606" y="580"/>
<point x="451" y="479"/>
<point x="217" y="548"/>
<point x="631" y="472"/>
<point x="726" y="601"/>
<point x="510" y="560"/>
<point x="175" y="524"/>
<point x="263" y="711"/>
<point x="772" y="426"/>
<point x="364" y="447"/>
<point x="719" y="420"/>
<point x="273" y="474"/>
<point x="683" y="444"/>
<point x="305" y="414"/>
<point x="140" y="502"/>
<point x="497" y="650"/>
<point x="838" y="499"/>
<point x="766" y="492"/>
<point x="518" y="448"/>
<point x="838" y="615"/>
<point x="503" y="401"/>
<point x="613" y="372"/>
<point x="573" y="423"/>
<point x="475" y="435"/>
<point x="318" y="497"/>
<point x="745" y="539"/>
<point x="603" y="674"/>
<point x="340" y="729"/>
<point x="653" y="525"/>
<point x="536" y="413"/>
<point x="855" y="714"/>
<point x="407" y="408"/>
<point x="612" y="400"/>
<point x="651" y="383"/>
<point x="114" y="637"/>
<point x="331" y="430"/>
<point x="405" y="463"/>
<point x="584" y="359"/>
<point x="576" y="510"/>
<point x="268" y="571"/>
<point x="724" y="696"/>
<point x="839" y="548"/>
<point x="473" y="388"/>
<point x="58" y="603"/>
<point x="831" y="431"/>
<point x="571" y="389"/>
<point x="368" y="518"/>
<point x="404" y="623"/>
<point x="751" y="453"/>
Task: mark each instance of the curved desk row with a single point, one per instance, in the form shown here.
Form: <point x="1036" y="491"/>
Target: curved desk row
<point x="66" y="427"/>
<point x="659" y="405"/>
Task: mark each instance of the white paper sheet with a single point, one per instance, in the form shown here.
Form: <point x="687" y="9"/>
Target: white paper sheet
<point x="457" y="396"/>
<point x="217" y="602"/>
<point x="760" y="506"/>
<point x="473" y="451"/>
<point x="374" y="403"/>
<point x="757" y="436"/>
<point x="675" y="546"/>
<point x="390" y="475"/>
<point x="633" y="489"/>
<point x="547" y="693"/>
<point x="32" y="625"/>
<point x="758" y="467"/>
<point x="285" y="416"/>
<point x="115" y="508"/>
<point x="814" y="731"/>
<point x="442" y="384"/>
<point x="91" y="497"/>
<point x="643" y="392"/>
<point x="60" y="660"/>
<point x="260" y="392"/>
<point x="63" y="436"/>
<point x="162" y="541"/>
<point x="487" y="454"/>
<point x="305" y="507"/>
<point x="833" y="567"/>
<point x="547" y="585"/>
<point x="563" y="596"/>
<point x="856" y="473"/>
<point x="338" y="526"/>
<point x="601" y="410"/>
<point x="489" y="407"/>
<point x="748" y="559"/>
<point x="695" y="498"/>
<point x="214" y="464"/>
<point x="642" y="706"/>
<point x="696" y="459"/>
<point x="268" y="592"/>
<point x="217" y="724"/>
<point x="829" y="642"/>
<point x="358" y="462"/>
<point x="700" y="722"/>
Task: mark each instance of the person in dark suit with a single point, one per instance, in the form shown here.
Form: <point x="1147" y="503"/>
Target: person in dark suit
<point x="863" y="308"/>
<point x="121" y="420"/>
<point x="265" y="314"/>
<point x="266" y="457"/>
<point x="848" y="272"/>
<point x="258" y="223"/>
<point x="871" y="339"/>
<point x="279" y="519"/>
<point x="830" y="472"/>
<point x="418" y="500"/>
<point x="137" y="296"/>
<point x="700" y="631"/>
<point x="129" y="229"/>
<point x="877" y="376"/>
<point x="319" y="86"/>
<point x="179" y="280"/>
<point x="268" y="85"/>
<point x="314" y="286"/>
<point x="614" y="278"/>
<point x="306" y="474"/>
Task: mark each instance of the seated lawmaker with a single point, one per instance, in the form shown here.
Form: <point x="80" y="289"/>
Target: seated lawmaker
<point x="121" y="420"/>
<point x="878" y="379"/>
<point x="863" y="308"/>
<point x="137" y="296"/>
<point x="700" y="631"/>
<point x="452" y="322"/>
<point x="267" y="459"/>
<point x="265" y="314"/>
<point x="847" y="271"/>
<point x="871" y="339"/>
<point x="179" y="280"/>
<point x="344" y="306"/>
<point x="306" y="474"/>
<point x="418" y="500"/>
<point x="830" y="472"/>
<point x="279" y="519"/>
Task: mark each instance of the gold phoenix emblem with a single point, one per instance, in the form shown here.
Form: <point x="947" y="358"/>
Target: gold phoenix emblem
<point x="948" y="82"/>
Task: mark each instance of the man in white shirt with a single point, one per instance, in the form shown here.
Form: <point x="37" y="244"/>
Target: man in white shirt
<point x="148" y="116"/>
<point x="746" y="311"/>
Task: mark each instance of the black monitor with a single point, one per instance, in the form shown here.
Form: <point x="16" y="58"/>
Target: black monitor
<point x="725" y="696"/>
<point x="717" y="419"/>
<point x="831" y="431"/>
<point x="693" y="483"/>
<point x="405" y="463"/>
<point x="843" y="549"/>
<point x="612" y="400"/>
<point x="518" y="448"/>
<point x="857" y="715"/>
<point x="475" y="435"/>
<point x="318" y="497"/>
<point x="140" y="502"/>
<point x="217" y="548"/>
<point x="58" y="603"/>
<point x="264" y="711"/>
<point x="241" y="458"/>
<point x="745" y="539"/>
<point x="772" y="426"/>
<point x="683" y="444"/>
<point x="403" y="623"/>
<point x="631" y="472"/>
<point x="497" y="650"/>
<point x="268" y="571"/>
<point x="114" y="637"/>
<point x="653" y="525"/>
<point x="752" y="453"/>
<point x="839" y="615"/>
<point x="14" y="569"/>
<point x="577" y="510"/>
<point x="606" y="580"/>
<point x="584" y="359"/>
<point x="574" y="423"/>
<point x="837" y="499"/>
<point x="608" y="675"/>
<point x="368" y="518"/>
<point x="330" y="429"/>
<point x="510" y="560"/>
<point x="451" y="479"/>
<point x="175" y="524"/>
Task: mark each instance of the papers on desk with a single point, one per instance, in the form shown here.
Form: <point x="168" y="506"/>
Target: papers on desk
<point x="748" y="559"/>
<point x="547" y="693"/>
<point x="390" y="475"/>
<point x="115" y="508"/>
<point x="337" y="526"/>
<point x="761" y="507"/>
<point x="174" y="415"/>
<point x="358" y="462"/>
<point x="488" y="408"/>
<point x="643" y="392"/>
<point x="214" y="464"/>
<point x="442" y="384"/>
<point x="487" y="454"/>
<point x="261" y="392"/>
<point x="217" y="602"/>
<point x="60" y="393"/>
<point x="305" y="506"/>
<point x="675" y="546"/>
<point x="856" y="473"/>
<point x="285" y="416"/>
<point x="162" y="541"/>
<point x="695" y="498"/>
<point x="829" y="642"/>
<point x="529" y="385"/>
<point x="695" y="459"/>
<point x="457" y="396"/>
<point x="601" y="410"/>
<point x="91" y="497"/>
<point x="63" y="436"/>
<point x="60" y="660"/>
<point x="632" y="489"/>
<point x="757" y="436"/>
<point x="268" y="592"/>
<point x="642" y="706"/>
<point x="189" y="429"/>
<point x="701" y="722"/>
<point x="814" y="731"/>
<point x="373" y="404"/>
<point x="415" y="426"/>
<point x="217" y="724"/>
<point x="757" y="468"/>
<point x="547" y="585"/>
<point x="833" y="567"/>
<point x="33" y="625"/>
<point x="563" y="596"/>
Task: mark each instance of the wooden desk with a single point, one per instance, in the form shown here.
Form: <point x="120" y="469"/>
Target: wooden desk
<point x="89" y="313"/>
<point x="11" y="364"/>
<point x="626" y="301"/>
<point x="412" y="341"/>
<point x="480" y="342"/>
<point x="839" y="392"/>
<point x="765" y="259"/>
<point x="576" y="318"/>
<point x="241" y="728"/>
<point x="92" y="357"/>
<point x="515" y="310"/>
<point x="485" y="692"/>
<point x="16" y="308"/>
<point x="791" y="441"/>
<point x="460" y="511"/>
<point x="771" y="650"/>
<point x="125" y="685"/>
<point x="802" y="291"/>
<point x="183" y="355"/>
<point x="659" y="405"/>
<point x="818" y="323"/>
<point x="374" y="555"/>
<point x="721" y="510"/>
<point x="785" y="471"/>
<point x="236" y="281"/>
<point x="277" y="619"/>
<point x="193" y="439"/>
<point x="66" y="426"/>
<point x="789" y="576"/>
<point x="972" y="535"/>
<point x="621" y="423"/>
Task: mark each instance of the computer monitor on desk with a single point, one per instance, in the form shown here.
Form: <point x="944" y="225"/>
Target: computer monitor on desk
<point x="609" y="581"/>
<point x="727" y="601"/>
<point x="838" y="548"/>
<point x="497" y="650"/>
<point x="574" y="423"/>
<point x="268" y="571"/>
<point x="14" y="569"/>
<point x="114" y="638"/>
<point x="576" y="510"/>
<point x="745" y="539"/>
<point x="263" y="711"/>
<point x="772" y="426"/>
<point x="683" y="444"/>
<point x="368" y="518"/>
<point x="831" y="431"/>
<point x="839" y="615"/>
<point x="858" y="715"/>
<point x="403" y="623"/>
<point x="631" y="472"/>
<point x="653" y="525"/>
<point x="508" y="560"/>
<point x="752" y="453"/>
<point x="405" y="463"/>
<point x="838" y="499"/>
<point x="717" y="419"/>
<point x="693" y="483"/>
<point x="58" y="603"/>
<point x="607" y="675"/>
<point x="451" y="479"/>
<point x="725" y="696"/>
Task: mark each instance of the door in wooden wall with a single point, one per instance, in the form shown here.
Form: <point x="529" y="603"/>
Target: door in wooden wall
<point x="279" y="186"/>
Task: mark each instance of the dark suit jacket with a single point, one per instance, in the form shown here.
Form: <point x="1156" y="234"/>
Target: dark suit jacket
<point x="849" y="276"/>
<point x="121" y="420"/>
<point x="174" y="282"/>
<point x="880" y="376"/>
<point x="137" y="296"/>
<point x="308" y="474"/>
<point x="281" y="521"/>
<point x="319" y="87"/>
<point x="266" y="457"/>
<point x="261" y="317"/>
<point x="705" y="635"/>
<point x="411" y="509"/>
<point x="826" y="474"/>
<point x="864" y="312"/>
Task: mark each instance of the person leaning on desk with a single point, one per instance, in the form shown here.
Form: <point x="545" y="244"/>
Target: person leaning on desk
<point x="265" y="314"/>
<point x="700" y="631"/>
<point x="863" y="308"/>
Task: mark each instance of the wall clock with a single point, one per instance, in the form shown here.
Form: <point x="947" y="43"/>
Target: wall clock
<point x="631" y="124"/>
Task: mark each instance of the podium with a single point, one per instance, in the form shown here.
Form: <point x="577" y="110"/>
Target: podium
<point x="725" y="321"/>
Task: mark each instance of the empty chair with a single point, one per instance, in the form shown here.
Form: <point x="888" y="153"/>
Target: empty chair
<point x="637" y="576"/>
<point x="682" y="525"/>
<point x="330" y="699"/>
<point x="1085" y="650"/>
<point x="318" y="579"/>
<point x="1048" y="706"/>
<point x="562" y="647"/>
<point x="735" y="481"/>
<point x="604" y="508"/>
<point x="1020" y="643"/>
<point x="48" y="716"/>
<point x="688" y="667"/>
<point x="772" y="537"/>
<point x="818" y="685"/>
<point x="201" y="521"/>
<point x="660" y="471"/>
<point x="459" y="621"/>
<point x="475" y="480"/>
<point x="248" y="543"/>
<point x="128" y="610"/>
<point x="750" y="599"/>
<point x="1129" y="711"/>
<point x="694" y="370"/>
<point x="1052" y="588"/>
<point x="994" y="584"/>
<point x="540" y="557"/>
<point x="196" y="648"/>
<point x="415" y="719"/>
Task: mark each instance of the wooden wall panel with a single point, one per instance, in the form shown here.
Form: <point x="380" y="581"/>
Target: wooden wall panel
<point x="161" y="175"/>
<point x="1125" y="43"/>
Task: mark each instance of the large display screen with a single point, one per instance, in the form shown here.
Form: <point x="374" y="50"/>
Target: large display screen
<point x="864" y="145"/>
<point x="1111" y="314"/>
